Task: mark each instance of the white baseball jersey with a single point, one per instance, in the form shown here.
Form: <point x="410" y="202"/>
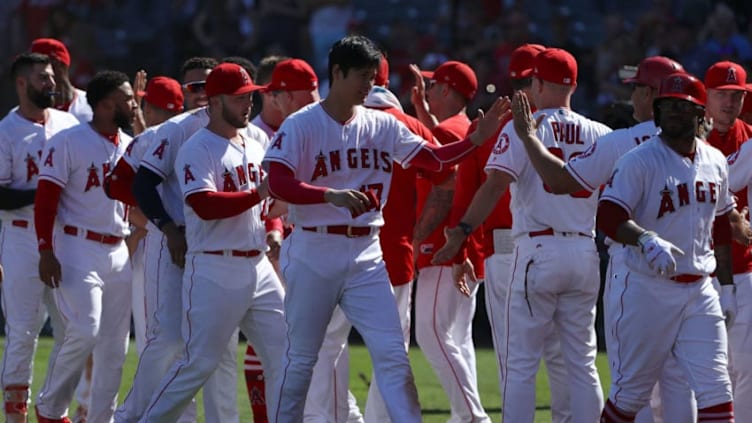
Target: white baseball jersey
<point x="593" y="167"/>
<point x="740" y="170"/>
<point x="80" y="107"/>
<point x="21" y="144"/>
<point x="566" y="134"/>
<point x="77" y="159"/>
<point x="355" y="155"/>
<point x="160" y="157"/>
<point x="138" y="147"/>
<point x="209" y="162"/>
<point x="268" y="130"/>
<point x="663" y="191"/>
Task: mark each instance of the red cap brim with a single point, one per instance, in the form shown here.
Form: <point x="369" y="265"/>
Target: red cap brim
<point x="427" y="74"/>
<point x="730" y="87"/>
<point x="140" y="93"/>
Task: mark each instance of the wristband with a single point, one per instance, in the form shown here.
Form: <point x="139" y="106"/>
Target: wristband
<point x="466" y="228"/>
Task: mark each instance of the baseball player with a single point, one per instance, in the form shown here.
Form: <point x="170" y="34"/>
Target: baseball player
<point x="396" y="236"/>
<point x="270" y="117"/>
<point x="67" y="97"/>
<point x="498" y="244"/>
<point x="443" y="315"/>
<point x="220" y="177"/>
<point x="92" y="277"/>
<point x="26" y="300"/>
<point x="726" y="86"/>
<point x="668" y="200"/>
<point x="193" y="74"/>
<point x="332" y="162"/>
<point x="157" y="192"/>
<point x="163" y="99"/>
<point x="550" y="234"/>
<point x="592" y="169"/>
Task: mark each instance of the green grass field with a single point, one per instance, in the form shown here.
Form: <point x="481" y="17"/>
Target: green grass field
<point x="433" y="400"/>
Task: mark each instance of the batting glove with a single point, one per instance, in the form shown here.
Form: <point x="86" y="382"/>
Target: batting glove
<point x="659" y="253"/>
<point x="728" y="303"/>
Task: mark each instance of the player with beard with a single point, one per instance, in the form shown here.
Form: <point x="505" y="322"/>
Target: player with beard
<point x="23" y="135"/>
<point x="88" y="249"/>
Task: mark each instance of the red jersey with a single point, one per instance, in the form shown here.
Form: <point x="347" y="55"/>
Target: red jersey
<point x="729" y="143"/>
<point x="396" y="236"/>
<point x="450" y="130"/>
<point x="470" y="176"/>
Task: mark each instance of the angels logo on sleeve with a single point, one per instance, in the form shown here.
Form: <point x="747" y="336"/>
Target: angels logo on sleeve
<point x="502" y="145"/>
<point x="48" y="160"/>
<point x="277" y="144"/>
<point x="187" y="174"/>
<point x="732" y="158"/>
<point x="159" y="151"/>
<point x="31" y="166"/>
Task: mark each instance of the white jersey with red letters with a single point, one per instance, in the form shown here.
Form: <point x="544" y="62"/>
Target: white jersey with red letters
<point x="80" y="107"/>
<point x="317" y="148"/>
<point x="138" y="147"/>
<point x="740" y="171"/>
<point x="21" y="145"/>
<point x="78" y="160"/>
<point x="221" y="166"/>
<point x="653" y="181"/>
<point x="593" y="167"/>
<point x="566" y="134"/>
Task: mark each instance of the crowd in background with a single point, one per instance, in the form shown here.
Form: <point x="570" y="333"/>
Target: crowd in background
<point x="603" y="35"/>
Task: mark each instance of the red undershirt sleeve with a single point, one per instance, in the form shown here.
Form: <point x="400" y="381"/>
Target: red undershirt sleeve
<point x="439" y="158"/>
<point x="210" y="205"/>
<point x="118" y="185"/>
<point x="722" y="230"/>
<point x="45" y="211"/>
<point x="610" y="217"/>
<point x="274" y="225"/>
<point x="284" y="186"/>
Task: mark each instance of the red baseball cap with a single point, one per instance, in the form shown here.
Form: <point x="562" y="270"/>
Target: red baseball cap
<point x="522" y="60"/>
<point x="53" y="48"/>
<point x="164" y="93"/>
<point x="382" y="76"/>
<point x="557" y="66"/>
<point x="652" y="70"/>
<point x="726" y="76"/>
<point x="457" y="75"/>
<point x="229" y="79"/>
<point x="292" y="75"/>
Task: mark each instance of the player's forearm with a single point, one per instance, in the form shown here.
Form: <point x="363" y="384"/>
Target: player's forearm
<point x="11" y="199"/>
<point x="550" y="168"/>
<point x="45" y="211"/>
<point x="723" y="270"/>
<point x="436" y="159"/>
<point x="284" y="186"/>
<point x="146" y="195"/>
<point x="485" y="198"/>
<point x="210" y="205"/>
<point x="435" y="210"/>
<point x="424" y="116"/>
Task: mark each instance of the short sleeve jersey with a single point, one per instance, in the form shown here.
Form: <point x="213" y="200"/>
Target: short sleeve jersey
<point x="21" y="145"/>
<point x="208" y="162"/>
<point x="161" y="153"/>
<point x="593" y="167"/>
<point x="268" y="130"/>
<point x="534" y="208"/>
<point x="80" y="107"/>
<point x="77" y="159"/>
<point x="676" y="196"/>
<point x="356" y="154"/>
<point x="138" y="146"/>
<point x="740" y="171"/>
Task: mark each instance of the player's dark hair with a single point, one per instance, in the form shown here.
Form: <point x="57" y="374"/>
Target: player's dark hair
<point x="197" y="63"/>
<point x="266" y="67"/>
<point x="24" y="62"/>
<point x="104" y="83"/>
<point x="353" y="52"/>
<point x="242" y="62"/>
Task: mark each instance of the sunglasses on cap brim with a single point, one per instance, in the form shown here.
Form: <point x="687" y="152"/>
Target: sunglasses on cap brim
<point x="195" y="87"/>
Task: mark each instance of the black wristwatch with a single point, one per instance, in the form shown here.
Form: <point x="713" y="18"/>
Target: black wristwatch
<point x="466" y="228"/>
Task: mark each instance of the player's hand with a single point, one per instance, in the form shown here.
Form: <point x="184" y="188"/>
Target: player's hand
<point x="461" y="273"/>
<point x="418" y="92"/>
<point x="263" y="188"/>
<point x="740" y="228"/>
<point x="490" y="121"/>
<point x="176" y="243"/>
<point x="274" y="241"/>
<point x="139" y="84"/>
<point x="455" y="237"/>
<point x="133" y="239"/>
<point x="728" y="303"/>
<point x="524" y="124"/>
<point x="659" y="253"/>
<point x="354" y="201"/>
<point x="49" y="269"/>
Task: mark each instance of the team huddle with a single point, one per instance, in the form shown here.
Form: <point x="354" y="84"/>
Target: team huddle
<point x="317" y="216"/>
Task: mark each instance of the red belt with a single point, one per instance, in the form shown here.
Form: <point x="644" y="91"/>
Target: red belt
<point x="686" y="278"/>
<point x="234" y="253"/>
<point x="20" y="223"/>
<point x="550" y="232"/>
<point x="93" y="236"/>
<point x="348" y="231"/>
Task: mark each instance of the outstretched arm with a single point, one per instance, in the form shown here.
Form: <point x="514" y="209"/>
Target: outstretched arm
<point x="549" y="167"/>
